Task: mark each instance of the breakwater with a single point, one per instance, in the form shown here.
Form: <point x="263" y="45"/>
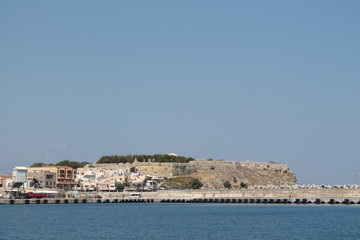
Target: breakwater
<point x="243" y="196"/>
<point x="340" y="193"/>
<point x="317" y="201"/>
<point x="71" y="201"/>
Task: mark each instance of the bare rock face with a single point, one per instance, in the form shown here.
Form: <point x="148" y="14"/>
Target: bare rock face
<point x="214" y="174"/>
<point x="216" y="178"/>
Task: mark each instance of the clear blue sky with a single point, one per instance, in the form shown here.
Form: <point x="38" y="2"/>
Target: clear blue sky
<point x="233" y="80"/>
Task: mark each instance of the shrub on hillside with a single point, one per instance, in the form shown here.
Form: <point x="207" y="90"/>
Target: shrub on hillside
<point x="227" y="184"/>
<point x="195" y="183"/>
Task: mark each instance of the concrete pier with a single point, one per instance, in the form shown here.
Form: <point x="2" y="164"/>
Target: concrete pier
<point x="247" y="201"/>
<point x="242" y="196"/>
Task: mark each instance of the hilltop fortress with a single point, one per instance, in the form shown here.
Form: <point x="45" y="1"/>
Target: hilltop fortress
<point x="213" y="173"/>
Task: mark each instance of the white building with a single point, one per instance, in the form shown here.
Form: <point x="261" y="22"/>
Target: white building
<point x="19" y="174"/>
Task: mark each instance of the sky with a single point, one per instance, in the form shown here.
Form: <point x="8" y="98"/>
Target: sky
<point x="234" y="80"/>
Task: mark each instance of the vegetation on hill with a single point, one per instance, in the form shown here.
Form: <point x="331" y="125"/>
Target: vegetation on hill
<point x="195" y="183"/>
<point x="227" y="184"/>
<point x="183" y="183"/>
<point x="40" y="164"/>
<point x="73" y="164"/>
<point x="144" y="158"/>
<point x="243" y="185"/>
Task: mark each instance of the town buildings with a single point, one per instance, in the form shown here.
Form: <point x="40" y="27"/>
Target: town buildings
<point x="19" y="174"/>
<point x="101" y="179"/>
<point x="62" y="177"/>
<point x="40" y="177"/>
<point x="4" y="179"/>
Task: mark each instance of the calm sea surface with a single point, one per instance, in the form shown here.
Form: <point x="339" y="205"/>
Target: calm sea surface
<point x="178" y="221"/>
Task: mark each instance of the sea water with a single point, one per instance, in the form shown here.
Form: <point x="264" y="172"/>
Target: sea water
<point x="178" y="221"/>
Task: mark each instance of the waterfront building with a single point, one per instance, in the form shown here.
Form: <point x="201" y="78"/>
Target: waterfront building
<point x="40" y="177"/>
<point x="65" y="176"/>
<point x="19" y="174"/>
<point x="101" y="179"/>
<point x="3" y="179"/>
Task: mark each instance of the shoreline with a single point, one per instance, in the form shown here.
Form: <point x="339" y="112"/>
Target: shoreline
<point x="244" y="201"/>
<point x="243" y="196"/>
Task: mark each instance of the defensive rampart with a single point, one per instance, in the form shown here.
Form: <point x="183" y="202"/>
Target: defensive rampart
<point x="177" y="169"/>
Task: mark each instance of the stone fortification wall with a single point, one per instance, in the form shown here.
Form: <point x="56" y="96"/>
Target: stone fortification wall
<point x="210" y="164"/>
<point x="198" y="165"/>
<point x="154" y="168"/>
<point x="278" y="167"/>
<point x="111" y="165"/>
<point x="169" y="170"/>
<point x="180" y="169"/>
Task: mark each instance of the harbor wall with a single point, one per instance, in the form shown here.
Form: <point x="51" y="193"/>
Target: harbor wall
<point x="263" y="196"/>
<point x="250" y="193"/>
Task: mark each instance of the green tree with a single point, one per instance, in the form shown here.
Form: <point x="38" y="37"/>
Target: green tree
<point x="38" y="164"/>
<point x="195" y="183"/>
<point x="72" y="164"/>
<point x="227" y="184"/>
<point x="119" y="187"/>
<point x="144" y="158"/>
<point x="243" y="185"/>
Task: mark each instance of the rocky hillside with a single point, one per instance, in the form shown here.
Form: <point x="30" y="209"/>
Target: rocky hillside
<point x="215" y="178"/>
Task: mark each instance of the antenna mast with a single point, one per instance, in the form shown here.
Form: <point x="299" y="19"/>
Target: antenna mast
<point x="357" y="177"/>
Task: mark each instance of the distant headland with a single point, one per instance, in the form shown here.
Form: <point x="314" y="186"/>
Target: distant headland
<point x="165" y="177"/>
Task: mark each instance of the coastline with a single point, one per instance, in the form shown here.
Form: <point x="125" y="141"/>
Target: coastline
<point x="243" y="196"/>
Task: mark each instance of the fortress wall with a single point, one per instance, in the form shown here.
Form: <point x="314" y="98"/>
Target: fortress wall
<point x="183" y="169"/>
<point x="205" y="165"/>
<point x="216" y="164"/>
<point x="282" y="167"/>
<point x="154" y="168"/>
<point x="165" y="169"/>
<point x="109" y="165"/>
<point x="158" y="164"/>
